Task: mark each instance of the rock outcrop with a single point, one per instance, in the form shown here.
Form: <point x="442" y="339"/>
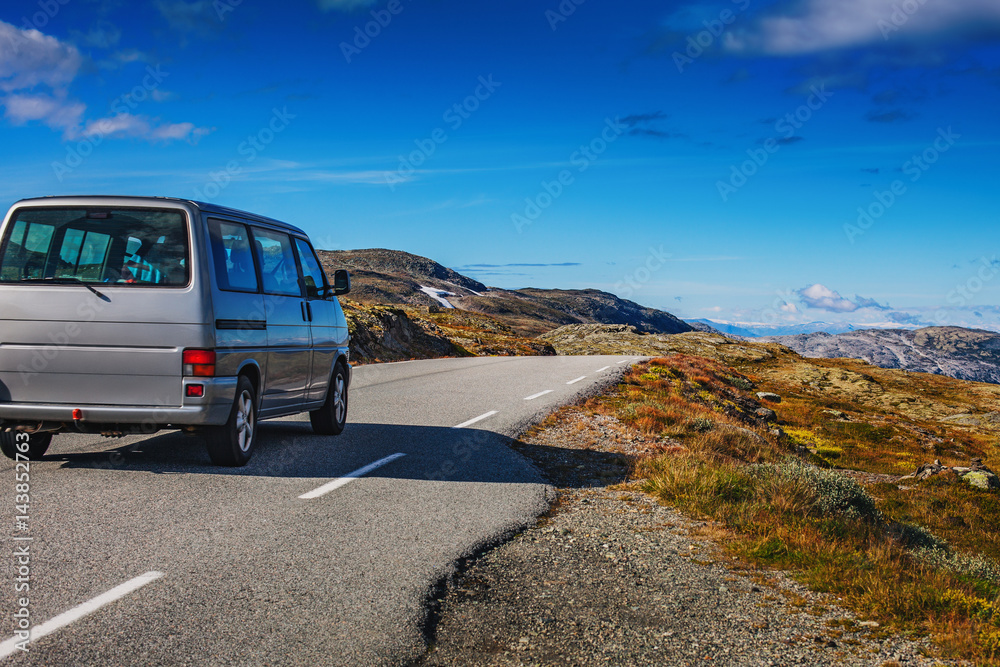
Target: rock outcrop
<point x="975" y="474"/>
<point x="965" y="354"/>
<point x="383" y="333"/>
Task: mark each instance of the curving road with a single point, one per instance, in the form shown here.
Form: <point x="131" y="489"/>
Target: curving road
<point x="320" y="551"/>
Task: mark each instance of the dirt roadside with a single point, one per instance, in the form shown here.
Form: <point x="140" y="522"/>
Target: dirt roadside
<point x="609" y="576"/>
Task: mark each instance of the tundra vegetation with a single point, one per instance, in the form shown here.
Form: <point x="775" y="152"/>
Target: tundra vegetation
<point x="817" y="489"/>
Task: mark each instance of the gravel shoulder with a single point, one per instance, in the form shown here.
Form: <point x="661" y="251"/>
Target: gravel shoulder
<point x="609" y="576"/>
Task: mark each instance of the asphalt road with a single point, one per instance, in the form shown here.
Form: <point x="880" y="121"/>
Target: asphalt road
<point x="240" y="569"/>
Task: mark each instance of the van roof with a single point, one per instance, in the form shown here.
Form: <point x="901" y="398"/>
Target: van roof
<point x="115" y="200"/>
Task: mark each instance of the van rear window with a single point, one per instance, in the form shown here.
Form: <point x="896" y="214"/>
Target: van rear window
<point x="145" y="247"/>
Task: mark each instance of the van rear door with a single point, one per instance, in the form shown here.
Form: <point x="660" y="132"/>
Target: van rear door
<point x="98" y="305"/>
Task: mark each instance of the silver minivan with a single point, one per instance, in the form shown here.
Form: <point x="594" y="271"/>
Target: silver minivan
<point x="126" y="315"/>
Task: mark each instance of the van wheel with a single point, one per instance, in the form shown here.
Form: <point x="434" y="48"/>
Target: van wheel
<point x="38" y="444"/>
<point x="233" y="443"/>
<point x="332" y="417"/>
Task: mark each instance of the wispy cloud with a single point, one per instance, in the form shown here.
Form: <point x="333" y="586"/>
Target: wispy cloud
<point x="472" y="267"/>
<point x="29" y="59"/>
<point x="54" y="111"/>
<point x="36" y="71"/>
<point x="344" y="5"/>
<point x="810" y="26"/>
<point x="637" y="118"/>
<point x="821" y="297"/>
<point x="644" y="125"/>
<point x="199" y="17"/>
<point x="893" y="116"/>
<point x="102" y="35"/>
<point x="706" y="258"/>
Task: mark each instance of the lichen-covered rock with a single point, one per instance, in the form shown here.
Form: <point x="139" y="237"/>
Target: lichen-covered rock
<point x="962" y="420"/>
<point x="982" y="479"/>
<point x="769" y="397"/>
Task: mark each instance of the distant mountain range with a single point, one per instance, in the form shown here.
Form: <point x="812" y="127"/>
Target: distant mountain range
<point x="966" y="354"/>
<point x="392" y="277"/>
<point x="395" y="277"/>
<point x="757" y="329"/>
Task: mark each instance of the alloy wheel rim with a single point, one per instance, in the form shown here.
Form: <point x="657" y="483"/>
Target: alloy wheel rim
<point x="244" y="421"/>
<point x="339" y="399"/>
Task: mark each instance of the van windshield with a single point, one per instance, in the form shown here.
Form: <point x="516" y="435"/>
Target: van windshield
<point x="145" y="247"/>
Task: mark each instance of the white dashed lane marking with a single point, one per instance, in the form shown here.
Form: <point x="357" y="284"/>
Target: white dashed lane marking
<point x="10" y="646"/>
<point x="477" y="419"/>
<point x="349" y="477"/>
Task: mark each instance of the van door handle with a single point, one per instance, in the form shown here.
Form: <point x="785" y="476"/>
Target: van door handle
<point x="302" y="305"/>
<point x="309" y="310"/>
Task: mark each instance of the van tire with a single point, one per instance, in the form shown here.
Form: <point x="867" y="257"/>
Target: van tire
<point x="232" y="444"/>
<point x="332" y="417"/>
<point x="38" y="444"/>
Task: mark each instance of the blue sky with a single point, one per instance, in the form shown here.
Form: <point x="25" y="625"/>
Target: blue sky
<point x="785" y="161"/>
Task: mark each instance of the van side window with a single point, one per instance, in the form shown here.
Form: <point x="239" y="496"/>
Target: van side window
<point x="277" y="263"/>
<point x="233" y="259"/>
<point x="312" y="273"/>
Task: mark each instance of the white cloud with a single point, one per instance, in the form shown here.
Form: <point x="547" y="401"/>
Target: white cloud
<point x="102" y="35"/>
<point x="344" y="5"/>
<point x="58" y="113"/>
<point x="808" y="26"/>
<point x="29" y="59"/>
<point x="35" y="71"/>
<point x="199" y="16"/>
<point x="130" y="126"/>
<point x="824" y="298"/>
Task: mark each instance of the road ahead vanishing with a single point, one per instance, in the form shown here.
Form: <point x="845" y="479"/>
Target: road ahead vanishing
<point x="320" y="551"/>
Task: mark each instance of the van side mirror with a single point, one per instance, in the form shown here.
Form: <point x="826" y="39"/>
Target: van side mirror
<point x="341" y="282"/>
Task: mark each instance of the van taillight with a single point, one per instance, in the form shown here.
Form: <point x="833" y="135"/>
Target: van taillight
<point x="199" y="363"/>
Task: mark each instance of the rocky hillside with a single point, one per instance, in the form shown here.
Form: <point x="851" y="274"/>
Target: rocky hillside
<point x="395" y="277"/>
<point x="384" y="333"/>
<point x="393" y="333"/>
<point x="382" y="276"/>
<point x="533" y="311"/>
<point x="622" y="339"/>
<point x="966" y="354"/>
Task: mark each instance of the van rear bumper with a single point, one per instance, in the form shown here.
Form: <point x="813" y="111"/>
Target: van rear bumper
<point x="210" y="410"/>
